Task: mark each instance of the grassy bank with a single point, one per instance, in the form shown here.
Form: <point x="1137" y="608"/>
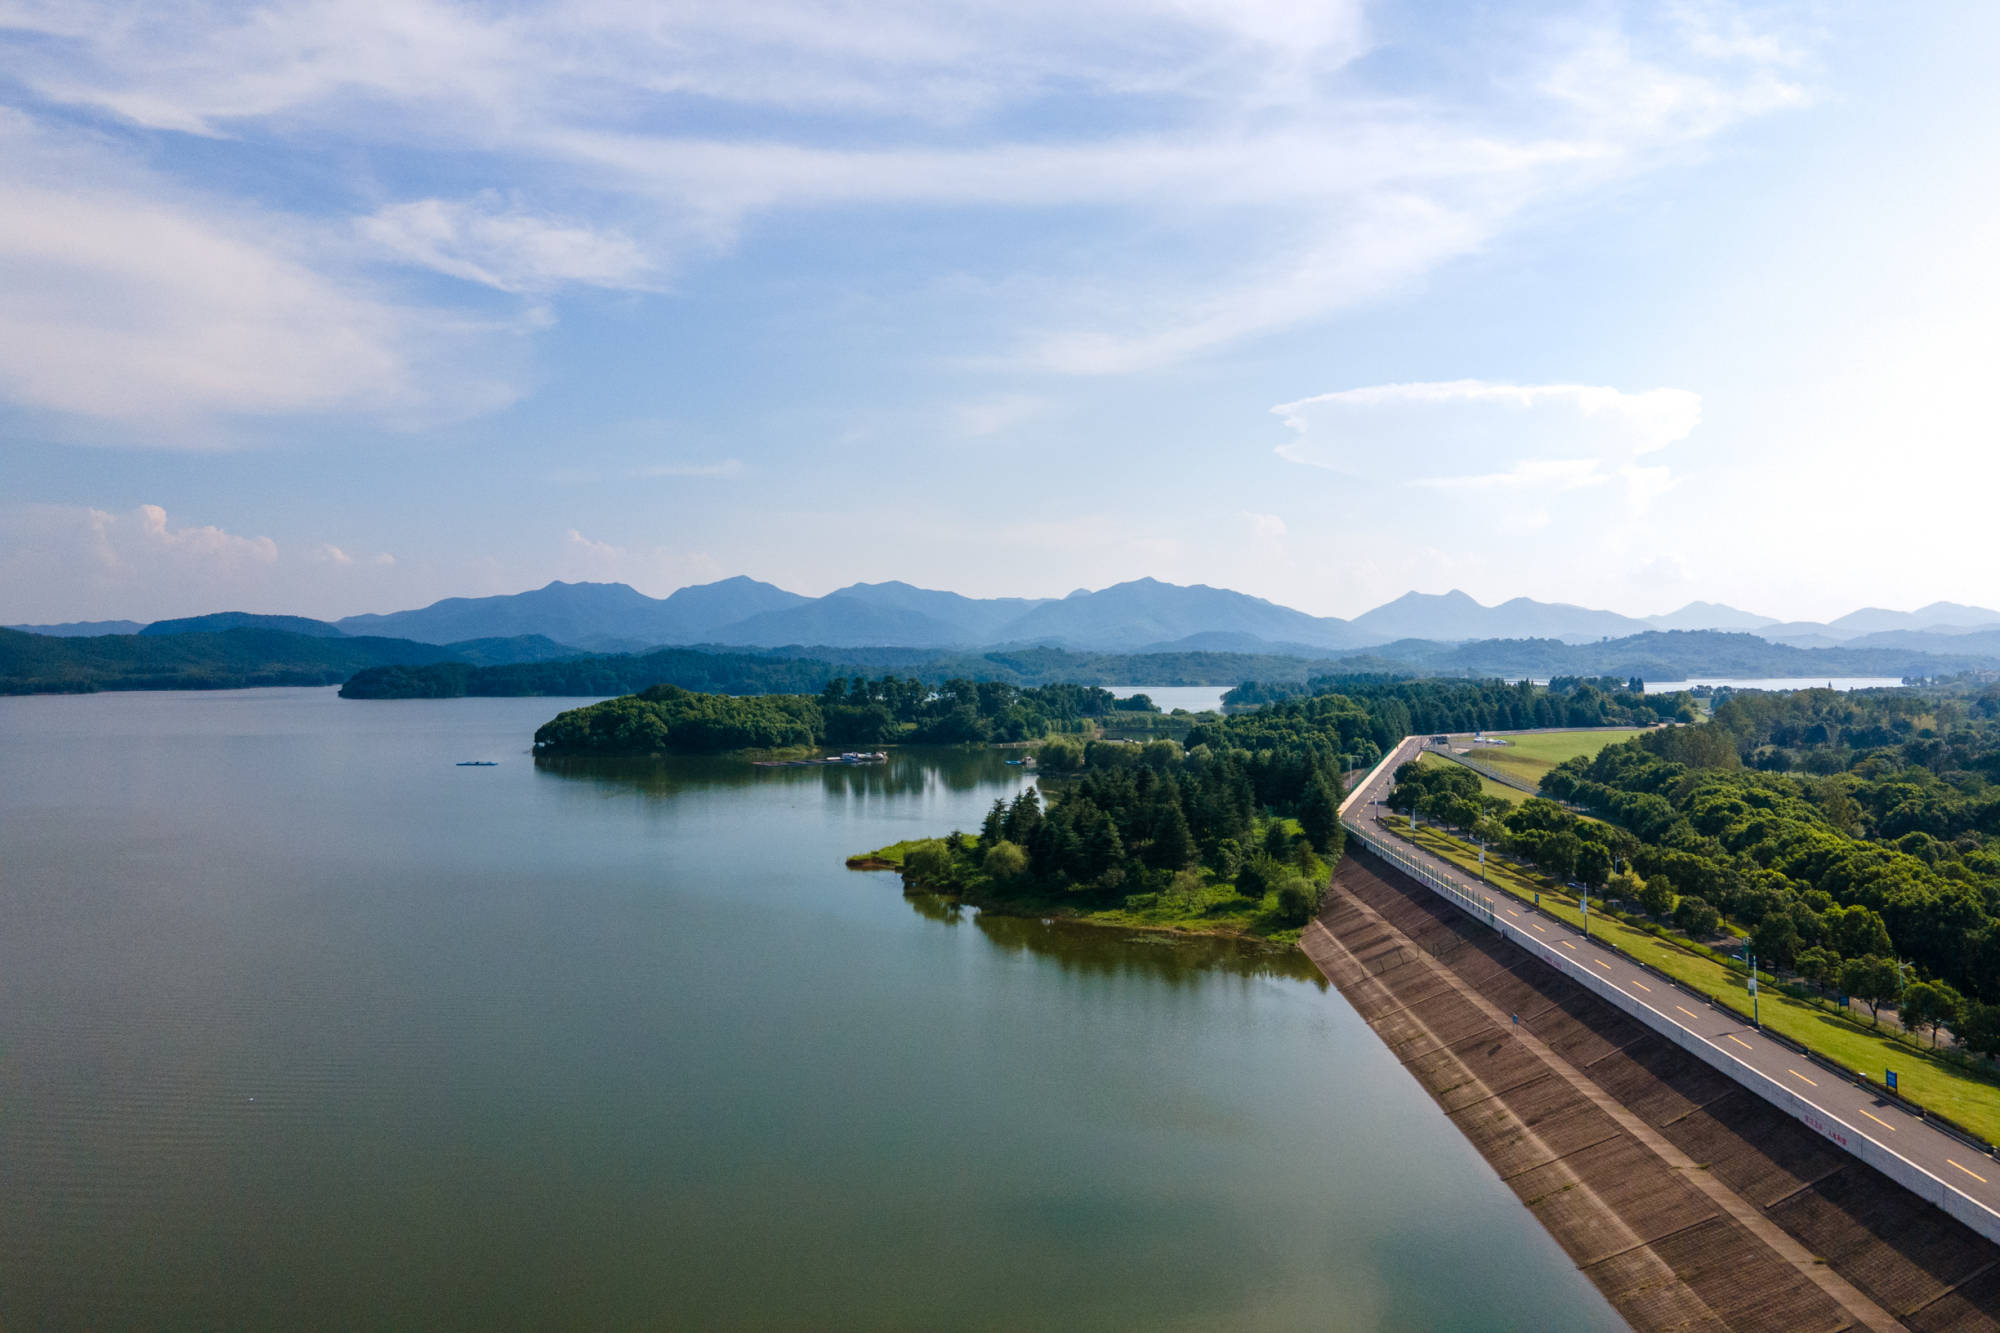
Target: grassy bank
<point x="1527" y="756"/>
<point x="1934" y="1081"/>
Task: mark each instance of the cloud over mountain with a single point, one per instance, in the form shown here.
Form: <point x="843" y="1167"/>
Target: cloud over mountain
<point x="1478" y="436"/>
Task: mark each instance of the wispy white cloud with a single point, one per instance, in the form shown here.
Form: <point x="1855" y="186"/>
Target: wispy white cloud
<point x="1475" y="435"/>
<point x="1256" y="177"/>
<point x="145" y="534"/>
<point x="651" y="568"/>
<point x="1562" y="474"/>
<point x="1266" y="526"/>
<point x="66" y="562"/>
<point x="1492" y="463"/>
<point x="487" y="241"/>
<point x="131" y="299"/>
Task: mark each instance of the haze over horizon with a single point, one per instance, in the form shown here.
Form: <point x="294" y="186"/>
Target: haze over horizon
<point x="325" y="310"/>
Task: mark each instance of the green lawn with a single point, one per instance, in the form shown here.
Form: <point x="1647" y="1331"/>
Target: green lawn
<point x="1959" y="1094"/>
<point x="1527" y="757"/>
<point x="1487" y="786"/>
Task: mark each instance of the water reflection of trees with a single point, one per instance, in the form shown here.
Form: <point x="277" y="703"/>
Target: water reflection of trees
<point x="666" y="776"/>
<point x="908" y="772"/>
<point x="1106" y="951"/>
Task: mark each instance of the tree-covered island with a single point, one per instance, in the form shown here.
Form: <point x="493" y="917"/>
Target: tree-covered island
<point x="667" y="719"/>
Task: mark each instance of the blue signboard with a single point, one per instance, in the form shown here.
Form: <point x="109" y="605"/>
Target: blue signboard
<point x="1892" y="1079"/>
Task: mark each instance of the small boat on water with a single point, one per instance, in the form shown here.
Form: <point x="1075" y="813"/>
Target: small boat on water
<point x="479" y="763"/>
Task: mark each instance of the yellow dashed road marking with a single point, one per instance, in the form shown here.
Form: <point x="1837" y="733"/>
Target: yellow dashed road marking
<point x="1883" y="1123"/>
<point x="1800" y="1077"/>
<point x="1740" y="1042"/>
<point x="1969" y="1171"/>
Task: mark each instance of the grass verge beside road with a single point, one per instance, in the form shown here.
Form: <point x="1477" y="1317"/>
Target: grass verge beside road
<point x="1930" y="1080"/>
<point x="1528" y="755"/>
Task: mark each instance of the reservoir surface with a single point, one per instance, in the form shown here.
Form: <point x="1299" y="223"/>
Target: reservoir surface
<point x="304" y="1026"/>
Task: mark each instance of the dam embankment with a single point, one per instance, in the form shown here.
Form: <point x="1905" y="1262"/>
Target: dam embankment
<point x="1688" y="1200"/>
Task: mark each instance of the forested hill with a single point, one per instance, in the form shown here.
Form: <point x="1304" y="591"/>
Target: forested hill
<point x="1404" y="706"/>
<point x="724" y="672"/>
<point x="666" y="719"/>
<point x="224" y="660"/>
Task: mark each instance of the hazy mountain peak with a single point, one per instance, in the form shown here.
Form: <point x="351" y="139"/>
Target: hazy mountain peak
<point x="1709" y="615"/>
<point x="1456" y="616"/>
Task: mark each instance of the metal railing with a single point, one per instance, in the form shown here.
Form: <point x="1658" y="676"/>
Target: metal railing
<point x="1485" y="771"/>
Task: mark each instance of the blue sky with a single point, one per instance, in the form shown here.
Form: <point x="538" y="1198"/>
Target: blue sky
<point x="329" y="307"/>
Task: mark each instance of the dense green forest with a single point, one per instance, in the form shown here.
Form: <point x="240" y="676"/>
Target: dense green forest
<point x="229" y="659"/>
<point x="668" y="719"/>
<point x="1406" y="706"/>
<point x="1235" y="829"/>
<point x="722" y="671"/>
<point x="846" y="712"/>
<point x="578" y="677"/>
<point x="1842" y="832"/>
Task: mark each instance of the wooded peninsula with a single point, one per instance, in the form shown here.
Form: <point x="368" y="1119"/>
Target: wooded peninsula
<point x="1232" y="828"/>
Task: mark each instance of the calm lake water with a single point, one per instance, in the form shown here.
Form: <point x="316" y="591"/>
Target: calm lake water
<point x="1194" y="698"/>
<point x="302" y="1026"/>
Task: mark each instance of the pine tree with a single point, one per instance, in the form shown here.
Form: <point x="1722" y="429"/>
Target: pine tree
<point x="1319" y="816"/>
<point x="1173" y="844"/>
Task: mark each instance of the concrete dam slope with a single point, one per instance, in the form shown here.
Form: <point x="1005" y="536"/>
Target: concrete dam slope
<point x="1691" y="1202"/>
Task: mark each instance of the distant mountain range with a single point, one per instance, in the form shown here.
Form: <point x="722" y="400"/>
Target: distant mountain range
<point x="1144" y="615"/>
<point x="81" y="629"/>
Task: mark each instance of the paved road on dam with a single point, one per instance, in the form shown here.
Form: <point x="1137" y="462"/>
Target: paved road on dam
<point x="1846" y="1109"/>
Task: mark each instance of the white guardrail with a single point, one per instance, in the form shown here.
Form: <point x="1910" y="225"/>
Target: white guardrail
<point x="1904" y="1172"/>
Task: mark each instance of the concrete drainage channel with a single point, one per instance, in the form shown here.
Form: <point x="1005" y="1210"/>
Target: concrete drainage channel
<point x="1687" y="1198"/>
